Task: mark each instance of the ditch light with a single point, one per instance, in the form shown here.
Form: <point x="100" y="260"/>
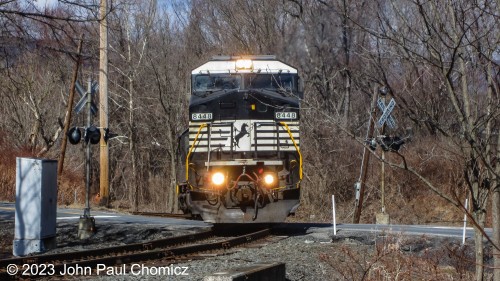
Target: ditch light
<point x="218" y="178"/>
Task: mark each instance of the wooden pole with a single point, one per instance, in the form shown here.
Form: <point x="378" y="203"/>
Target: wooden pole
<point x="103" y="104"/>
<point x="67" y="121"/>
<point x="366" y="159"/>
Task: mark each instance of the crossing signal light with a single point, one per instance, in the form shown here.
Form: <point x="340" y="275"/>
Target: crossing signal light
<point x="92" y="135"/>
<point x="74" y="135"/>
<point x="389" y="143"/>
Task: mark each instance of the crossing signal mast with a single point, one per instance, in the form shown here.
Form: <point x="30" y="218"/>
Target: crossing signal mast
<point x="86" y="226"/>
<point x="386" y="118"/>
<point x="91" y="135"/>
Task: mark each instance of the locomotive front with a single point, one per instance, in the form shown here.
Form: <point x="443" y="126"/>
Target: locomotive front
<point x="241" y="157"/>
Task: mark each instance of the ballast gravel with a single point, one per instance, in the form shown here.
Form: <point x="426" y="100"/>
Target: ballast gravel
<point x="313" y="253"/>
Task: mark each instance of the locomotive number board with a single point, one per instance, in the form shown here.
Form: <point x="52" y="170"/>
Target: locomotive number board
<point x="286" y="115"/>
<point x="201" y="116"/>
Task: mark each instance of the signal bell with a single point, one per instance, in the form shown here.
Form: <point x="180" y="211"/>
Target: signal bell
<point x="74" y="135"/>
<point x="93" y="135"/>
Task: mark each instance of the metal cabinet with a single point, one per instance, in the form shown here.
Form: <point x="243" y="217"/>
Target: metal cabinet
<point x="36" y="205"/>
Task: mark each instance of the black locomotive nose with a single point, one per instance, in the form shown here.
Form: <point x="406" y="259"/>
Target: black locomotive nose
<point x="241" y="150"/>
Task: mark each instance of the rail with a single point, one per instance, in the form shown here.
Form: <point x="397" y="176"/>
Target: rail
<point x="122" y="254"/>
<point x="39" y="259"/>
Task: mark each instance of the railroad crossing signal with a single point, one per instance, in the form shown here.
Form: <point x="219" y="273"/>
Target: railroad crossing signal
<point x="83" y="97"/>
<point x="91" y="134"/>
<point x="74" y="135"/>
<point x="386" y="113"/>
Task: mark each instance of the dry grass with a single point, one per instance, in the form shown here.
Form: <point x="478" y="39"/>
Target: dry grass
<point x="395" y="257"/>
<point x="408" y="200"/>
<point x="68" y="184"/>
<point x="8" y="170"/>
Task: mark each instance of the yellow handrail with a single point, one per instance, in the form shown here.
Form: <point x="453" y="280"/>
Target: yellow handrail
<point x="296" y="148"/>
<point x="191" y="150"/>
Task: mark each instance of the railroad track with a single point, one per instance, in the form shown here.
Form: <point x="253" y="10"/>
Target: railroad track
<point x="163" y="215"/>
<point x="170" y="249"/>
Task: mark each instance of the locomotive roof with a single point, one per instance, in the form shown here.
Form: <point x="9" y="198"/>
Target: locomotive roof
<point x="260" y="64"/>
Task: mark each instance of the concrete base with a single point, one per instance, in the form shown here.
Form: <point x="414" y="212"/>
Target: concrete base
<point x="86" y="227"/>
<point x="258" y="272"/>
<point x="382" y="218"/>
<point x="23" y="247"/>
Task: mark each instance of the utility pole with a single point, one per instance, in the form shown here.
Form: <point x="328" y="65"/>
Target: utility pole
<point x="67" y="121"/>
<point x="103" y="103"/>
<point x="360" y="185"/>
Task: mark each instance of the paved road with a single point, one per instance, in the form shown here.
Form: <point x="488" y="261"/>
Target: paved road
<point x="7" y="212"/>
<point x="412" y="229"/>
<point x="326" y="229"/>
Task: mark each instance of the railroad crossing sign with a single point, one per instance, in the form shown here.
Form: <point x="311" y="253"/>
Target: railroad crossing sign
<point x="83" y="97"/>
<point x="386" y="113"/>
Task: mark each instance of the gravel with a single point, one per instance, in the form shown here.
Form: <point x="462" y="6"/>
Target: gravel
<point x="107" y="235"/>
<point x="314" y="254"/>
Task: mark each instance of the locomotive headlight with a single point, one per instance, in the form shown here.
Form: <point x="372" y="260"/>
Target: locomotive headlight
<point x="244" y="64"/>
<point x="218" y="178"/>
<point x="269" y="179"/>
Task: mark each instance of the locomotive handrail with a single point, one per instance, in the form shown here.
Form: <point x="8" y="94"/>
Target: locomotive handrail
<point x="209" y="146"/>
<point x="203" y="125"/>
<point x="296" y="147"/>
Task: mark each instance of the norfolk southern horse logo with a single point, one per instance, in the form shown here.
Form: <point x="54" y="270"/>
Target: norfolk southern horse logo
<point x="242" y="133"/>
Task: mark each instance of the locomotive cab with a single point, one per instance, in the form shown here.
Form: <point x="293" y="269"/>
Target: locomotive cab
<point x="241" y="159"/>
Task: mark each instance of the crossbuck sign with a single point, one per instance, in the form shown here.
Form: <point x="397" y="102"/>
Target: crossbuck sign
<point x="83" y="97"/>
<point x="386" y="113"/>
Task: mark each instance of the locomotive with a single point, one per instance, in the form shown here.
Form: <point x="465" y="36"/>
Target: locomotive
<point x="241" y="158"/>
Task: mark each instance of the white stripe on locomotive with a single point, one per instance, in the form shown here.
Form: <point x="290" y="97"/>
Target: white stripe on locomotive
<point x="244" y="132"/>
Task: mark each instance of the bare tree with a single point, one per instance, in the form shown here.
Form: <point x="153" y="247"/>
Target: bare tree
<point x="455" y="43"/>
<point x="131" y="24"/>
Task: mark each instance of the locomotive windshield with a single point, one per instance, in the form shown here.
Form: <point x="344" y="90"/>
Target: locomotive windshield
<point x="270" y="81"/>
<point x="216" y="82"/>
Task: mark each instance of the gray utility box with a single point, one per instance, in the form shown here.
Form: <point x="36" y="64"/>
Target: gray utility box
<point x="36" y="206"/>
